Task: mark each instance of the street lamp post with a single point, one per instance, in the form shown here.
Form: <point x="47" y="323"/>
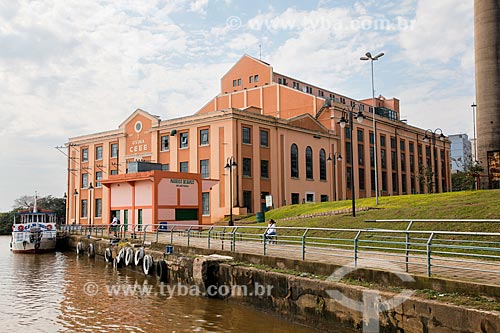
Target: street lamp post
<point x="474" y="129"/>
<point x="334" y="157"/>
<point x="230" y="164"/>
<point x="90" y="188"/>
<point x="75" y="195"/>
<point x="432" y="137"/>
<point x="359" y="117"/>
<point x="66" y="206"/>
<point x="368" y="56"/>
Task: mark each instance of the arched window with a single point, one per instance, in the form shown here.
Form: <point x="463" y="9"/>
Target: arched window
<point x="322" y="164"/>
<point x="309" y="163"/>
<point x="294" y="161"/>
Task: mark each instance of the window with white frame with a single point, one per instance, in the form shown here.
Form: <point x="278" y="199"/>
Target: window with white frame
<point x="205" y="203"/>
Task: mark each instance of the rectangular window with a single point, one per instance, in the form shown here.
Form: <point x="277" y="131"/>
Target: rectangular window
<point x="362" y="179"/>
<point x="295" y="198"/>
<point x="247" y="167"/>
<point x="85" y="154"/>
<point x="402" y="145"/>
<point x="419" y="150"/>
<point x="296" y="85"/>
<point x="348" y="156"/>
<point x="361" y="154"/>
<point x="184" y="167"/>
<point x="324" y="198"/>
<point x="84" y="208"/>
<point x="114" y="150"/>
<point x="85" y="180"/>
<point x="203" y="137"/>
<point x="205" y="203"/>
<point x="164" y="143"/>
<point x="403" y="184"/>
<point x="264" y="138"/>
<point x="393" y="143"/>
<point x="256" y="78"/>
<point x="264" y="169"/>
<point x="114" y="172"/>
<point x="165" y="167"/>
<point x="98" y="207"/>
<point x="98" y="153"/>
<point x="372" y="138"/>
<point x="412" y="163"/>
<point x="348" y="176"/>
<point x="372" y="179"/>
<point x="393" y="161"/>
<point x="382" y="140"/>
<point x="239" y="82"/>
<point x="412" y="147"/>
<point x="372" y="157"/>
<point x="98" y="178"/>
<point x="403" y="162"/>
<point x="347" y="133"/>
<point x="184" y="140"/>
<point x="247" y="200"/>
<point x="384" y="181"/>
<point x="383" y="158"/>
<point x="250" y="79"/>
<point x="204" y="169"/>
<point x="309" y="197"/>
<point x="245" y="135"/>
<point x="280" y="81"/>
<point x="235" y="83"/>
<point x="360" y="136"/>
<point x="394" y="183"/>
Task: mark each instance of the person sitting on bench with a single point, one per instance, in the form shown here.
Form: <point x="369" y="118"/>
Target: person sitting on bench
<point x="271" y="231"/>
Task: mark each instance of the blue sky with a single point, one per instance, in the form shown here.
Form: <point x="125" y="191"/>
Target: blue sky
<point x="74" y="67"/>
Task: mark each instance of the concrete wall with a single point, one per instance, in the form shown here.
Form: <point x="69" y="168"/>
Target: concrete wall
<point x="306" y="301"/>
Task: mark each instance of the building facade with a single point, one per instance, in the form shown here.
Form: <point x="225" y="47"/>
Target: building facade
<point x="460" y="152"/>
<point x="284" y="137"/>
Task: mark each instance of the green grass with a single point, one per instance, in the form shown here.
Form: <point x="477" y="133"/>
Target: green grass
<point x="454" y="205"/>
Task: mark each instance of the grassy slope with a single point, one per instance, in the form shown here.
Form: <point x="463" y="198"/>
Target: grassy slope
<point x="455" y="205"/>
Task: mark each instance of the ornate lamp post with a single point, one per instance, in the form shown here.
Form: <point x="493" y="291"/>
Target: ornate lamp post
<point x="90" y="188"/>
<point x="75" y="195"/>
<point x="368" y="56"/>
<point x="334" y="157"/>
<point x="431" y="135"/>
<point x="359" y="117"/>
<point x="230" y="164"/>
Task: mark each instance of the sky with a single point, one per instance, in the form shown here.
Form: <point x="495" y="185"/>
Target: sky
<point x="72" y="67"/>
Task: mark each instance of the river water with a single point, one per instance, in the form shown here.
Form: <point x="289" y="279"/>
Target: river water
<point x="59" y="292"/>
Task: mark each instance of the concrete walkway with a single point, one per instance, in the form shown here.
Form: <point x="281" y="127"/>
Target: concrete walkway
<point x="455" y="268"/>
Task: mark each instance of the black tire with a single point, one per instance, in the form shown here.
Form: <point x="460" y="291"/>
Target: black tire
<point x="139" y="255"/>
<point x="117" y="263"/>
<point x="147" y="264"/>
<point x="162" y="271"/>
<point x="129" y="256"/>
<point x="79" y="248"/>
<point x="121" y="255"/>
<point x="91" y="251"/>
<point x="108" y="255"/>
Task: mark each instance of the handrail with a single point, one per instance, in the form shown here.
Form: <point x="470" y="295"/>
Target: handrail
<point x="422" y="251"/>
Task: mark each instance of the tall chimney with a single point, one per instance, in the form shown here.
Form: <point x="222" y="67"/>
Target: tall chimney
<point x="487" y="51"/>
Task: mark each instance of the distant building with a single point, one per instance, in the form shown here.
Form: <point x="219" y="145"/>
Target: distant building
<point x="460" y="153"/>
<point x="286" y="141"/>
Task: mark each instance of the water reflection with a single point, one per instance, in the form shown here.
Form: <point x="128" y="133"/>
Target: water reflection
<point x="45" y="293"/>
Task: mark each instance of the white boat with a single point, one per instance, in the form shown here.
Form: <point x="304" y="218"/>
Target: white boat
<point x="34" y="231"/>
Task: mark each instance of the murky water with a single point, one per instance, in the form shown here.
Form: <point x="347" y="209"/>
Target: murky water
<point x="54" y="293"/>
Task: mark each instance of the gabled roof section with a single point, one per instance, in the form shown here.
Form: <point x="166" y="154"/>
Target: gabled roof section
<point x="141" y="112"/>
<point x="307" y="121"/>
<point x="249" y="57"/>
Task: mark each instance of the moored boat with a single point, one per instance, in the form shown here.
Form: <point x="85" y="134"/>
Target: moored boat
<point x="34" y="231"/>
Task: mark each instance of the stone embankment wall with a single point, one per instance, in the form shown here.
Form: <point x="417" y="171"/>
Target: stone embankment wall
<point x="307" y="301"/>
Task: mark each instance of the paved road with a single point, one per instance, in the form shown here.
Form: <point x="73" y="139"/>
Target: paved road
<point x="447" y="267"/>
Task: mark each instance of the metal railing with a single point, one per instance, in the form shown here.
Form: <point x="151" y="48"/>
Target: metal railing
<point x="423" y="252"/>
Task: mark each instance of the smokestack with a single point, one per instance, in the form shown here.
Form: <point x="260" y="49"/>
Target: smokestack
<point x="487" y="52"/>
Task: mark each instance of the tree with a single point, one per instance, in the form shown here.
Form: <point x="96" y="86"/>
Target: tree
<point x="425" y="177"/>
<point x="466" y="180"/>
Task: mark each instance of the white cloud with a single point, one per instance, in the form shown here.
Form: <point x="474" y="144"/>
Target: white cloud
<point x="442" y="31"/>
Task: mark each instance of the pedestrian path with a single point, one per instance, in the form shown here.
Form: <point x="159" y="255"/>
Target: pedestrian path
<point x="483" y="272"/>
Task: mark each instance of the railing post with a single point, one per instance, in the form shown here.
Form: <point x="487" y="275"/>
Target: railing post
<point x="356" y="248"/>
<point x="157" y="234"/>
<point x="172" y="235"/>
<point x="407" y="246"/>
<point x="209" y="235"/>
<point x="304" y="244"/>
<point x="429" y="254"/>
<point x="223" y="235"/>
<point x="233" y="245"/>
<point x="189" y="234"/>
<point x="144" y="231"/>
<point x="264" y="242"/>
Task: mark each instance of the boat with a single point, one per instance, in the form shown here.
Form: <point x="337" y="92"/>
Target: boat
<point x="34" y="231"/>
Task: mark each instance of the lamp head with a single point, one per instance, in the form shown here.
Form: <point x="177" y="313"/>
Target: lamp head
<point x="359" y="117"/>
<point x="368" y="55"/>
<point x="90" y="186"/>
<point x="339" y="158"/>
<point x="364" y="58"/>
<point x="378" y="56"/>
<point x="342" y="122"/>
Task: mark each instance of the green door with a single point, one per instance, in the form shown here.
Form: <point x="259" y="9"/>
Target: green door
<point x="125" y="220"/>
<point x="139" y="219"/>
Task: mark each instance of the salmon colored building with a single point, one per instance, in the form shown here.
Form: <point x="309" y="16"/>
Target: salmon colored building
<point x="284" y="137"/>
